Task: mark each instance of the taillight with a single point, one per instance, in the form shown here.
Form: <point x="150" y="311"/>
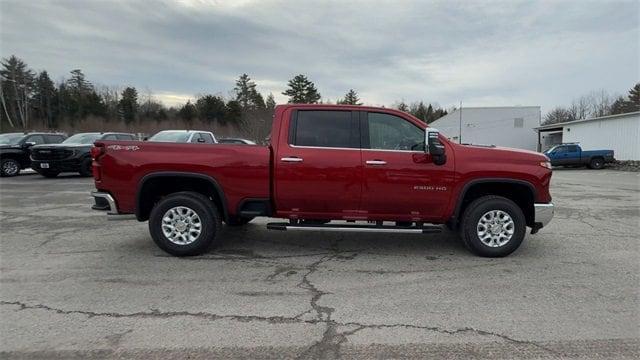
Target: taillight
<point x="97" y="151"/>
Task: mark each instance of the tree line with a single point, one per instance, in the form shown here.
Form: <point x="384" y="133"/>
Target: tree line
<point x="595" y="104"/>
<point x="31" y="100"/>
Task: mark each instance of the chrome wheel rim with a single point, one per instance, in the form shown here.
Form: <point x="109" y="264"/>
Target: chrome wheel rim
<point x="181" y="225"/>
<point x="10" y="167"/>
<point x="495" y="228"/>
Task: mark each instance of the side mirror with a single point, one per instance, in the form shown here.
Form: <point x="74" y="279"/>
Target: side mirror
<point x="28" y="144"/>
<point x="200" y="140"/>
<point x="434" y="147"/>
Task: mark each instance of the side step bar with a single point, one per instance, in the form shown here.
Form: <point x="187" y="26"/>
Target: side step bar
<point x="427" y="229"/>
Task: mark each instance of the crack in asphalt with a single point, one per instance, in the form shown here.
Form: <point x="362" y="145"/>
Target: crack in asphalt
<point x="329" y="343"/>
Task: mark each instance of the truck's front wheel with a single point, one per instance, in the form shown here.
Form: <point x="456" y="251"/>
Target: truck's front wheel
<point x="184" y="223"/>
<point x="493" y="226"/>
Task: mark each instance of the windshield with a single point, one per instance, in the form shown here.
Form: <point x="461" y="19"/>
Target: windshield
<point x="170" y="136"/>
<point x="86" y="138"/>
<point x="10" y="139"/>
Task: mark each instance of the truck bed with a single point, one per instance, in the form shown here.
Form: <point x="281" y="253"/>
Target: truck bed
<point x="242" y="170"/>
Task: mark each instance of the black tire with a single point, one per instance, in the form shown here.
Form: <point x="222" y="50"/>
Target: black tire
<point x="238" y="221"/>
<point x="596" y="163"/>
<point x="471" y="218"/>
<point x="86" y="169"/>
<point x="49" y="174"/>
<point x="207" y="212"/>
<point x="9" y="168"/>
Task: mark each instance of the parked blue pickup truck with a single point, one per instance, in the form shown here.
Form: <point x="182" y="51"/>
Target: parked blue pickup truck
<point x="571" y="154"/>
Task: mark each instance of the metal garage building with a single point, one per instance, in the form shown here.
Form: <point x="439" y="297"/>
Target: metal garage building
<point x="510" y="126"/>
<point x="620" y="133"/>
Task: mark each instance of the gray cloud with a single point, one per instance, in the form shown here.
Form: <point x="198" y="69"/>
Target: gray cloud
<point x="483" y="53"/>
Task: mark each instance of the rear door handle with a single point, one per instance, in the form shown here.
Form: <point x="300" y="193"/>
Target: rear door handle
<point x="291" y="159"/>
<point x="376" y="162"/>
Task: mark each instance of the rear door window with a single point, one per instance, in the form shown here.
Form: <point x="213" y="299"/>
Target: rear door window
<point x="37" y="139"/>
<point x="208" y="139"/>
<point x="125" y="137"/>
<point x="54" y="139"/>
<point x="336" y="129"/>
<point x="110" y="137"/>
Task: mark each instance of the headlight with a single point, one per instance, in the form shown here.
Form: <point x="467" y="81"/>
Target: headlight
<point x="546" y="164"/>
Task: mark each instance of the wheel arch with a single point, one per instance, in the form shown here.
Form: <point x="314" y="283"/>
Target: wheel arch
<point x="154" y="185"/>
<point x="522" y="192"/>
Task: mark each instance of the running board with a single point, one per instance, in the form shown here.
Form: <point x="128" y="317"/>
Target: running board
<point x="429" y="229"/>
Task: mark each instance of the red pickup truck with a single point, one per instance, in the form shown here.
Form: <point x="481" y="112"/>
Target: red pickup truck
<point x="328" y="168"/>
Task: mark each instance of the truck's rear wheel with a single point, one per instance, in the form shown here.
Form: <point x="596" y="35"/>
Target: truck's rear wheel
<point x="184" y="224"/>
<point x="493" y="226"/>
<point x="596" y="163"/>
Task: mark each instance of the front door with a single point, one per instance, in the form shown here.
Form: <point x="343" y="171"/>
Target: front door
<point x="400" y="180"/>
<point x="318" y="172"/>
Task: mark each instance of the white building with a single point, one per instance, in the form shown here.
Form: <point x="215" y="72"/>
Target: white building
<point x="620" y="133"/>
<point x="509" y="126"/>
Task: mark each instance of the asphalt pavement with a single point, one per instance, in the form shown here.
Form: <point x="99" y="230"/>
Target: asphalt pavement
<point x="74" y="285"/>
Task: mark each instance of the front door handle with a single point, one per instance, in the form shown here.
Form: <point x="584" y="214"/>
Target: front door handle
<point x="376" y="162"/>
<point x="291" y="159"/>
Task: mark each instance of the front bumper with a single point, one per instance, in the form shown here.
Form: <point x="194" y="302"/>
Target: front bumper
<point x="69" y="165"/>
<point x="543" y="215"/>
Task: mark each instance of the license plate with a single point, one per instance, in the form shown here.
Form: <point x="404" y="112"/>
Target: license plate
<point x="44" y="165"/>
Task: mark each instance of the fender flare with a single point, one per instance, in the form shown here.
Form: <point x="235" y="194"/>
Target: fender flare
<point x="179" y="174"/>
<point x="470" y="183"/>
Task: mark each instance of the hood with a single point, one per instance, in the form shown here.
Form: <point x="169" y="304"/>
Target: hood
<point x="507" y="152"/>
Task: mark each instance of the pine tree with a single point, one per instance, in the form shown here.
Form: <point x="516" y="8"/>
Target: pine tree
<point x="633" y="103"/>
<point x="233" y="113"/>
<point x="419" y="110"/>
<point x="350" y="98"/>
<point x="402" y="106"/>
<point x="246" y="94"/>
<point x="302" y="91"/>
<point x="15" y="91"/>
<point x="270" y="103"/>
<point x="129" y="105"/>
<point x="429" y="115"/>
<point x="188" y="112"/>
<point x="212" y="109"/>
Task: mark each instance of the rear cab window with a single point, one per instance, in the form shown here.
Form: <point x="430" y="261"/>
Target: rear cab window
<point x="325" y="128"/>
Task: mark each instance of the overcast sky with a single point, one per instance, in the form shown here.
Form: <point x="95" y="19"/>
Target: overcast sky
<point x="485" y="53"/>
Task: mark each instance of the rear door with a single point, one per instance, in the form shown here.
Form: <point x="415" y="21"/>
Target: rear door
<point x="560" y="155"/>
<point x="400" y="181"/>
<point x="573" y="154"/>
<point x="318" y="172"/>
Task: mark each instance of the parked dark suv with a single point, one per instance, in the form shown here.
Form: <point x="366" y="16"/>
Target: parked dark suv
<point x="15" y="149"/>
<point x="72" y="155"/>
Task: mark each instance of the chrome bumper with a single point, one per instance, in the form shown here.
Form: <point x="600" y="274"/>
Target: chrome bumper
<point x="543" y="214"/>
<point x="113" y="209"/>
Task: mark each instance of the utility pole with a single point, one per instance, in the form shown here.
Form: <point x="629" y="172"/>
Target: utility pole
<point x="460" y="132"/>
